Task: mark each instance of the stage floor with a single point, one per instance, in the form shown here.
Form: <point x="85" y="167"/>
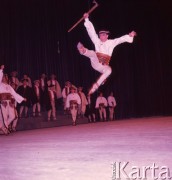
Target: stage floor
<point x="87" y="151"/>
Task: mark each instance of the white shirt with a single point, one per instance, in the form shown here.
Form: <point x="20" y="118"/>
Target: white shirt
<point x="107" y="46"/>
<point x="6" y="88"/>
<point x="111" y="101"/>
<point x="101" y="100"/>
<point x="72" y="96"/>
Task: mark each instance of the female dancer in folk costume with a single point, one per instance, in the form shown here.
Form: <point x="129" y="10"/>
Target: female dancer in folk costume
<point x="8" y="96"/>
<point x="103" y="50"/>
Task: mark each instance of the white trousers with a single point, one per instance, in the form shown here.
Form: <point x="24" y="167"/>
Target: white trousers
<point x="8" y="114"/>
<point x="102" y="113"/>
<point x="105" y="70"/>
<point x="111" y="113"/>
<point x="74" y="111"/>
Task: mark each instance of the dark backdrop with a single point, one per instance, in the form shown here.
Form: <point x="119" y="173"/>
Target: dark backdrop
<point x="34" y="39"/>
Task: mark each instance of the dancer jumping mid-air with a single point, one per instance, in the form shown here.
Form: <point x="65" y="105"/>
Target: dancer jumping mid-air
<point x="103" y="50"/>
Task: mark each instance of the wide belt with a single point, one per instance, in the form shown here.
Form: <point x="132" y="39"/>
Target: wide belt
<point x="101" y="105"/>
<point x="5" y="96"/>
<point x="104" y="59"/>
<point x="73" y="102"/>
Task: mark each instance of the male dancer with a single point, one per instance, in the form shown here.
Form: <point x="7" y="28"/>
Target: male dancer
<point x="101" y="104"/>
<point x="103" y="50"/>
<point x="7" y="98"/>
<point x="73" y="101"/>
<point x="112" y="105"/>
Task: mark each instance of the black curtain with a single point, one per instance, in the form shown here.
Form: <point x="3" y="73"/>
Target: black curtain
<point x="34" y="39"/>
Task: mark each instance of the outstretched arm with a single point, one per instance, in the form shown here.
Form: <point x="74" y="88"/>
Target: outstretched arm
<point x="16" y="96"/>
<point x="126" y="38"/>
<point x="90" y="29"/>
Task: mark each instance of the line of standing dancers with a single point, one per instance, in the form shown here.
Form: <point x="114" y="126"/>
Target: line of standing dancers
<point x="94" y="108"/>
<point x="15" y="101"/>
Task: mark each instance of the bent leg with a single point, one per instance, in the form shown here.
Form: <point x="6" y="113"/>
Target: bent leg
<point x="90" y="54"/>
<point x="86" y="52"/>
<point x="106" y="73"/>
<point x="105" y="70"/>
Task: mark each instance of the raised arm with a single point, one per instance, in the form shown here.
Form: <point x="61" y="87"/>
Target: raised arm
<point x="90" y="29"/>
